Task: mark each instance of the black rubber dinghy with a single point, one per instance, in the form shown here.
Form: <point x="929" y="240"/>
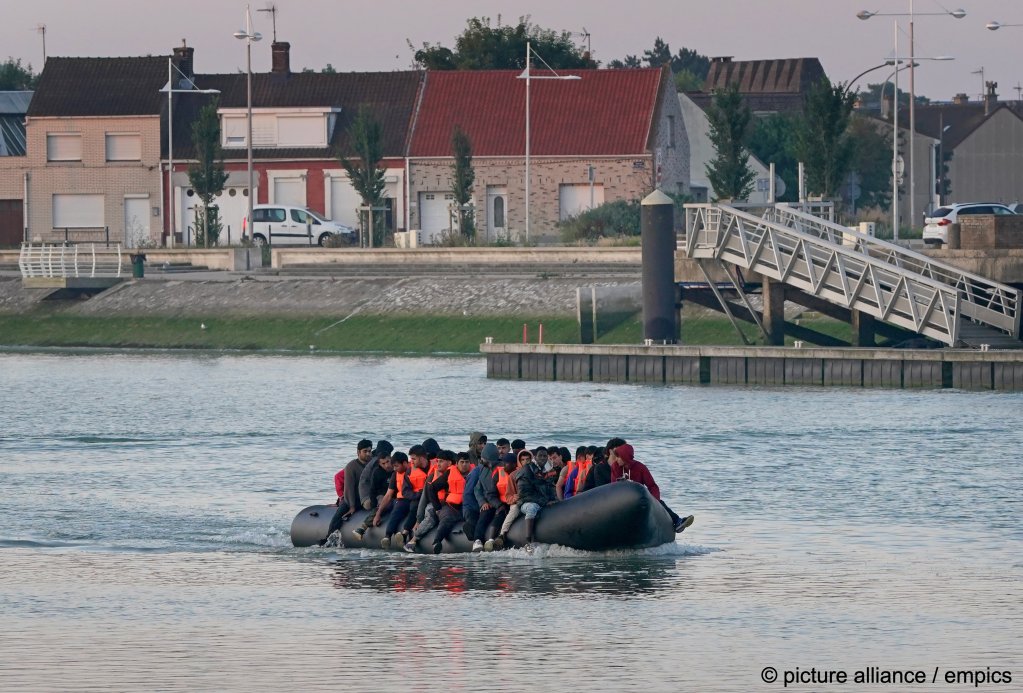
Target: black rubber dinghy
<point x="622" y="515"/>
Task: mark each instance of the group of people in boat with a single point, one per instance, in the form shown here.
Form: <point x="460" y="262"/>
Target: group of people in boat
<point x="484" y="489"/>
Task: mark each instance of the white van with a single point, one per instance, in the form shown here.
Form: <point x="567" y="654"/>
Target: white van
<point x="285" y="225"/>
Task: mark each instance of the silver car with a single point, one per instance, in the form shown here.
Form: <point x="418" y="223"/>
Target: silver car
<point x="936" y="225"/>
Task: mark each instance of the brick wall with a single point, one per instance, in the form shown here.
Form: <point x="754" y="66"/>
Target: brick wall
<point x="93" y="174"/>
<point x="986" y="231"/>
<point x="626" y="178"/>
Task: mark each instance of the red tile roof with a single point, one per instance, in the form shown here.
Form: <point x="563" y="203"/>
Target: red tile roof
<point x="604" y="113"/>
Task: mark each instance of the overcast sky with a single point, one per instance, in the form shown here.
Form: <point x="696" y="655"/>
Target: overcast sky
<point x="332" y="31"/>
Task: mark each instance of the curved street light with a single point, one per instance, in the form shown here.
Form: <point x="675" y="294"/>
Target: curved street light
<point x="248" y="35"/>
<point x="867" y="14"/>
<point x="995" y="26"/>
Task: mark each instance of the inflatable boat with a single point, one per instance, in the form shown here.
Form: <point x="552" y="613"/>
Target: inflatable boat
<point x="622" y="515"/>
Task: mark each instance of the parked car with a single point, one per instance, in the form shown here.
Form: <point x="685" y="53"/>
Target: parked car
<point x="936" y="225"/>
<point x="285" y="225"/>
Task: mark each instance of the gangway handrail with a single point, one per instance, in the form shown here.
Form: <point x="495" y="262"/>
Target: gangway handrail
<point x="984" y="300"/>
<point x="58" y="260"/>
<point x="830" y="271"/>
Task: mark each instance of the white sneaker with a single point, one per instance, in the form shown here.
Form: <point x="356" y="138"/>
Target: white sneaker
<point x="477" y="546"/>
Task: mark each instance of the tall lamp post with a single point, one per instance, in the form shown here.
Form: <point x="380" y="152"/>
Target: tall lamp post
<point x="895" y="140"/>
<point x="867" y="14"/>
<point x="526" y="75"/>
<point x="248" y="35"/>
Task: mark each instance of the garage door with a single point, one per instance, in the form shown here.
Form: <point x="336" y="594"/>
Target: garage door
<point x="289" y="191"/>
<point x="434" y="215"/>
<point x="11" y="222"/>
<point x="136" y="220"/>
<point x="344" y="201"/>
<point x="78" y="212"/>
<point x="575" y="198"/>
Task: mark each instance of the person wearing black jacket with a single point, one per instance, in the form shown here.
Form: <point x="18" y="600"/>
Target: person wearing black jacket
<point x="376" y="487"/>
<point x="434" y="494"/>
<point x="369" y="476"/>
<point x="600" y="471"/>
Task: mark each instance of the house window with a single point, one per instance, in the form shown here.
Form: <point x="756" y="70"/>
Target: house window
<point x="124" y="146"/>
<point x="78" y="211"/>
<point x="671" y="131"/>
<point x="65" y="146"/>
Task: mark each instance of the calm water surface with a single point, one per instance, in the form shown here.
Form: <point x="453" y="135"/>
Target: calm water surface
<point x="147" y="499"/>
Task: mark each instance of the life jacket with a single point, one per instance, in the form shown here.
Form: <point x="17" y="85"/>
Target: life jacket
<point x="456" y="486"/>
<point x="580" y="476"/>
<point x="410" y="483"/>
<point x="502" y="484"/>
<point x="433" y="476"/>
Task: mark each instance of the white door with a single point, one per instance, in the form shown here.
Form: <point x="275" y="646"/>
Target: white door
<point x="136" y="221"/>
<point x="434" y="214"/>
<point x="234" y="205"/>
<point x="344" y="202"/>
<point x="497" y="211"/>
<point x="289" y="191"/>
<point x="576" y="198"/>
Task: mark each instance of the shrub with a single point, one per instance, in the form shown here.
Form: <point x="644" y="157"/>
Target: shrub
<point x="609" y="220"/>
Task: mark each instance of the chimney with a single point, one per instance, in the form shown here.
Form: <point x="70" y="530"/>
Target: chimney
<point x="990" y="98"/>
<point x="281" y="53"/>
<point x="960" y="99"/>
<point x="721" y="59"/>
<point x="183" y="59"/>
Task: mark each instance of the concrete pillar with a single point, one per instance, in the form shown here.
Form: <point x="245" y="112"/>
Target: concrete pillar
<point x="657" y="225"/>
<point x="584" y="313"/>
<point x="863" y="333"/>
<point x="774" y="311"/>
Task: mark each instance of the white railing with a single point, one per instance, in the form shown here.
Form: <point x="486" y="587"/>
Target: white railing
<point x="983" y="300"/>
<point x="48" y="260"/>
<point x="825" y="269"/>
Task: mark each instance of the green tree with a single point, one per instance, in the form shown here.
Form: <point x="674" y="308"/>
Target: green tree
<point x="729" y="171"/>
<point x="687" y="81"/>
<point x="773" y="142"/>
<point x="365" y="137"/>
<point x="629" y="62"/>
<point x="463" y="178"/>
<point x="15" y="77"/>
<point x="823" y="143"/>
<point x="207" y="176"/>
<point x="872" y="163"/>
<point x="870" y="98"/>
<point x="484" y="47"/>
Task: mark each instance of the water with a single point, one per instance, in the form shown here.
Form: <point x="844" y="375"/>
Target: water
<point x="147" y="499"/>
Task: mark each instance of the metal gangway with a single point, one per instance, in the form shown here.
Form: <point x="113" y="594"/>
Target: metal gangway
<point x="854" y="270"/>
<point x="79" y="265"/>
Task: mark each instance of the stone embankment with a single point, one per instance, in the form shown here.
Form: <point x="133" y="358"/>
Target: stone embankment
<point x="249" y="295"/>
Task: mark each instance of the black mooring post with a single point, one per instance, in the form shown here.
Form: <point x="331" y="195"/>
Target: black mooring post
<point x="660" y="320"/>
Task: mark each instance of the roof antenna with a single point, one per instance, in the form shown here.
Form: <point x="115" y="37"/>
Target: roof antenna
<point x="41" y="30"/>
<point x="271" y="9"/>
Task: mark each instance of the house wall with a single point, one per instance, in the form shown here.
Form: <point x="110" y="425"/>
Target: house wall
<point x="701" y="153"/>
<point x="672" y="153"/>
<point x="622" y="178"/>
<point x="988" y="165"/>
<point x="93" y="174"/>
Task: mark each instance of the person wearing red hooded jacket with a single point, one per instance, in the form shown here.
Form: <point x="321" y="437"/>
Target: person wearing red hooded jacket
<point x="625" y="467"/>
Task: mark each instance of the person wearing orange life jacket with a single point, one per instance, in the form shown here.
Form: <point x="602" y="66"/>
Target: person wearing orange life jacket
<point x="580" y="466"/>
<point x="507" y="497"/>
<point x="451" y="514"/>
<point x="434" y="496"/>
<point x="565" y="464"/>
<point x="403" y="488"/>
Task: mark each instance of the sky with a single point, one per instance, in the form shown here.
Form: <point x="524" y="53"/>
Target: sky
<point x="355" y="35"/>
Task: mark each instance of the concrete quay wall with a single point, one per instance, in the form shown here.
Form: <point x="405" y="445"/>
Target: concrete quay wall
<point x="710" y="365"/>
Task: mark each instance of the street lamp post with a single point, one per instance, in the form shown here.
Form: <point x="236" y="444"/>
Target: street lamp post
<point x="248" y="35"/>
<point x="867" y="14"/>
<point x="526" y="75"/>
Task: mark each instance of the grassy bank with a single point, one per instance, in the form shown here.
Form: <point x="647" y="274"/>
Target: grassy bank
<point x="360" y="333"/>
